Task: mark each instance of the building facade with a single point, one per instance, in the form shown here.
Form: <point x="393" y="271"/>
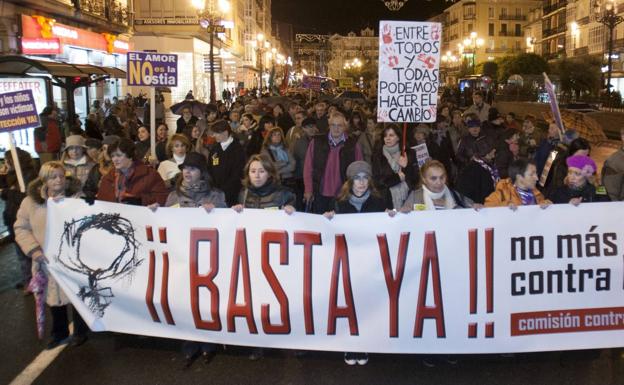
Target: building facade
<point x="312" y="54"/>
<point x="346" y="49"/>
<point x="173" y="26"/>
<point x="95" y="32"/>
<point x="479" y="31"/>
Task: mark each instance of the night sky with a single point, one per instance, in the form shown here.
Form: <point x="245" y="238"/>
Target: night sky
<point x="342" y="16"/>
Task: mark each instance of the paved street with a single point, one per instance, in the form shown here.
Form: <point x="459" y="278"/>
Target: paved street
<point x="109" y="358"/>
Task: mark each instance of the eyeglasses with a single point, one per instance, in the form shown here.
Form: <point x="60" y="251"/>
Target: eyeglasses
<point x="339" y="125"/>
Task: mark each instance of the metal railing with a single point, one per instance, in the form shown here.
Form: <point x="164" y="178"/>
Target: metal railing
<point x="109" y="10"/>
<point x="553" y="7"/>
<point x="512" y="17"/>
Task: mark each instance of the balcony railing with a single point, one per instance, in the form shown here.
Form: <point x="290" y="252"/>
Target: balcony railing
<point x="512" y="17"/>
<point x="509" y="33"/>
<point x="109" y="10"/>
<point x="503" y="50"/>
<point x="470" y="16"/>
<point x="454" y="21"/>
<point x="553" y="31"/>
<point x="553" y="7"/>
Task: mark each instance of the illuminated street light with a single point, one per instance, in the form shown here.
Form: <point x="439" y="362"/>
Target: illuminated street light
<point x="473" y="42"/>
<point x="610" y="19"/>
<point x="209" y="18"/>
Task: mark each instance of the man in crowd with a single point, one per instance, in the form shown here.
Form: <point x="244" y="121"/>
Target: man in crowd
<point x="320" y="115"/>
<point x="479" y="107"/>
<point x="299" y="148"/>
<point x="326" y="162"/>
<point x="185" y="123"/>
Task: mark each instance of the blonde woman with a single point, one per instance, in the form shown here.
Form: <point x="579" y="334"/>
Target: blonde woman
<point x="30" y="235"/>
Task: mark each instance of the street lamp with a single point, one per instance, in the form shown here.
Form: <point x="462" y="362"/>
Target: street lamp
<point x="610" y="19"/>
<point x="473" y="42"/>
<point x="209" y="18"/>
<point x="261" y="46"/>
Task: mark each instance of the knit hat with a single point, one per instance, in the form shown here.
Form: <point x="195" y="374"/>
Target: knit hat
<point x="473" y="123"/>
<point x="93" y="143"/>
<point x="358" y="167"/>
<point x="74" y="140"/>
<point x="482" y="146"/>
<point x="582" y="162"/>
<point x="493" y="114"/>
<point x="194" y="159"/>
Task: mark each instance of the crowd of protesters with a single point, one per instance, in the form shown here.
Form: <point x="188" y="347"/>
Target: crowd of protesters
<point x="315" y="156"/>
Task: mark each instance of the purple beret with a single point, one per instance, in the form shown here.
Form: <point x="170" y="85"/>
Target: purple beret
<point x="581" y="162"/>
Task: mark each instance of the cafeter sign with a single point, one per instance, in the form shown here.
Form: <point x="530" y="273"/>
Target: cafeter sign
<point x="152" y="69"/>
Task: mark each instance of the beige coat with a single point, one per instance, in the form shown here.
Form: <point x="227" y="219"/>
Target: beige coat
<point x="30" y="227"/>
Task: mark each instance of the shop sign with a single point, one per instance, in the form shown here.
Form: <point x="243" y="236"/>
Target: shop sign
<point x="152" y="69"/>
<point x="167" y="21"/>
<point x="46" y="29"/>
<point x="41" y="46"/>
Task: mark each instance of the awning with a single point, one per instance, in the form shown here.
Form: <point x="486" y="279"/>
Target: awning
<point x="27" y="66"/>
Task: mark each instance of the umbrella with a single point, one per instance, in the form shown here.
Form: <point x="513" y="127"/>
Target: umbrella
<point x="586" y="126"/>
<point x="197" y="108"/>
<point x="37" y="286"/>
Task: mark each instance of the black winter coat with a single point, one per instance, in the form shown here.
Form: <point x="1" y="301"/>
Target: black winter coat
<point x="226" y="169"/>
<point x="383" y="175"/>
<point x="475" y="182"/>
<point x="372" y="205"/>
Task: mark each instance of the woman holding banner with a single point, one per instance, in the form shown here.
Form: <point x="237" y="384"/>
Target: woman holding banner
<point x="391" y="166"/>
<point x="579" y="183"/>
<point x="358" y="195"/>
<point x="262" y="190"/>
<point x="434" y="194"/>
<point x="131" y="181"/>
<point x="30" y="228"/>
<point x="193" y="189"/>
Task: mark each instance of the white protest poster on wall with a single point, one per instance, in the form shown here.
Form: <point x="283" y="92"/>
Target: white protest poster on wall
<point x="409" y="70"/>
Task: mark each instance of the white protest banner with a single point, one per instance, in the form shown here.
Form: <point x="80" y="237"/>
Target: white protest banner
<point x="409" y="63"/>
<point x="422" y="154"/>
<point x="449" y="281"/>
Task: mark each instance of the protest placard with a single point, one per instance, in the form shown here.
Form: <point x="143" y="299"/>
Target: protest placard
<point x="152" y="69"/>
<point x="18" y="111"/>
<point x="409" y="61"/>
<point x="422" y="154"/>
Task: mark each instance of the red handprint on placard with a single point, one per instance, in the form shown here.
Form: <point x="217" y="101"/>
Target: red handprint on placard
<point x="391" y="58"/>
<point x="387" y="34"/>
<point x="435" y="32"/>
<point x="428" y="61"/>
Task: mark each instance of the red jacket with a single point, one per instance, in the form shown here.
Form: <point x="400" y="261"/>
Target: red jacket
<point x="53" y="139"/>
<point x="144" y="185"/>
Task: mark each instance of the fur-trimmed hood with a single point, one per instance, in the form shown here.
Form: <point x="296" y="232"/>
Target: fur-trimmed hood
<point x="72" y="187"/>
